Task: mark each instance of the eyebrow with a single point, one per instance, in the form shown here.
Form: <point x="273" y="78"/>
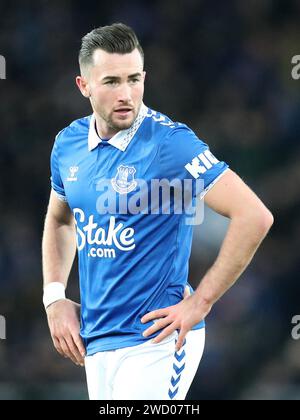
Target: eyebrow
<point x="131" y="76"/>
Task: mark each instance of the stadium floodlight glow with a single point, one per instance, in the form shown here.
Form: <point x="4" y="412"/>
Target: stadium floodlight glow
<point x="296" y="68"/>
<point x="2" y="67"/>
<point x="2" y="328"/>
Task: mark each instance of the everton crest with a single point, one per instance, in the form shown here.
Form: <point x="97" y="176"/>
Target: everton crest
<point x="124" y="181"/>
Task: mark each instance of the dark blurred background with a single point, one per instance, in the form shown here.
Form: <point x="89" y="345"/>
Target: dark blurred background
<point x="223" y="68"/>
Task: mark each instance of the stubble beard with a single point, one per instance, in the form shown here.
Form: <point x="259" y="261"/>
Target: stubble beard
<point x="116" y="126"/>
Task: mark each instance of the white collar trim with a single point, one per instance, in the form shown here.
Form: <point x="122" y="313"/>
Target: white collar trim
<point x="120" y="140"/>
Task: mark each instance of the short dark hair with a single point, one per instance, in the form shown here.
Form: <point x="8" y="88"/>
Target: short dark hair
<point x="116" y="38"/>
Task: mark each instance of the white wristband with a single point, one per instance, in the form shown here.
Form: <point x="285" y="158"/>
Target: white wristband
<point x="53" y="292"/>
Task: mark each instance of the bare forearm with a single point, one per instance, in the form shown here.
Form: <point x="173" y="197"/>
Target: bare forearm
<point x="243" y="237"/>
<point x="59" y="248"/>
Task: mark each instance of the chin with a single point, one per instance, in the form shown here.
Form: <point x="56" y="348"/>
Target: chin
<point x="123" y="125"/>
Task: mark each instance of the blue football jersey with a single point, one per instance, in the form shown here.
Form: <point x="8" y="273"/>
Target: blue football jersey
<point x="133" y="255"/>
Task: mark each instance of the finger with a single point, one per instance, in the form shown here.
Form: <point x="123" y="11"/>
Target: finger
<point x="74" y="350"/>
<point x="79" y="344"/>
<point x="159" y="313"/>
<point x="158" y="325"/>
<point x="181" y="338"/>
<point x="64" y="347"/>
<point x="164" y="334"/>
<point x="66" y="350"/>
<point x="57" y="346"/>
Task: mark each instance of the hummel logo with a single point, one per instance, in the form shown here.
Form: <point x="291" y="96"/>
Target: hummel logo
<point x="73" y="171"/>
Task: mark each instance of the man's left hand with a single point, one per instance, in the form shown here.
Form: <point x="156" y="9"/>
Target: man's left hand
<point x="183" y="316"/>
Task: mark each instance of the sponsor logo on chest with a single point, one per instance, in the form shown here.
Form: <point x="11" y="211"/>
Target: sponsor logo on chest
<point x="103" y="241"/>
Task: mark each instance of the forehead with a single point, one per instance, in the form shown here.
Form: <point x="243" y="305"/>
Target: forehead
<point x="107" y="64"/>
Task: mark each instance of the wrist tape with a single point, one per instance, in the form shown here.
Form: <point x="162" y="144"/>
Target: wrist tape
<point x="53" y="292"/>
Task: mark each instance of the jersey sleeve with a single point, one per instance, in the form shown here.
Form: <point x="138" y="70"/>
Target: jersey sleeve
<point x="184" y="156"/>
<point x="56" y="181"/>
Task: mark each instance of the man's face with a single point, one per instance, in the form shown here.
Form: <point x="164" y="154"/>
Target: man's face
<point x="115" y="86"/>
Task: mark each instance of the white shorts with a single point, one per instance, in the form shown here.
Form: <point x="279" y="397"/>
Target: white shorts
<point x="147" y="371"/>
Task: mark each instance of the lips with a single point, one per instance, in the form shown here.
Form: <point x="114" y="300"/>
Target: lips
<point x="123" y="112"/>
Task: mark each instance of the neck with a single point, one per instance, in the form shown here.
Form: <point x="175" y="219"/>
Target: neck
<point x="102" y="131"/>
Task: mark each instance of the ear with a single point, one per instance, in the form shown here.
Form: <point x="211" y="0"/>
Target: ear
<point x="83" y="86"/>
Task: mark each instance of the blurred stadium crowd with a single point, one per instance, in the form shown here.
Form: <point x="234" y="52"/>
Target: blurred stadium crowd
<point x="224" y="68"/>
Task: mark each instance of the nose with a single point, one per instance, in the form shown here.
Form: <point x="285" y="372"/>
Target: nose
<point x="124" y="93"/>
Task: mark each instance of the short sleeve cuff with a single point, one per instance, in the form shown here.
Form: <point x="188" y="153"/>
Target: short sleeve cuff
<point x="60" y="196"/>
<point x="209" y="187"/>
